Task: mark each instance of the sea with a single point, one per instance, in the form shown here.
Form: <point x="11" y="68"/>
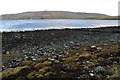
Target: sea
<point x="43" y="24"/>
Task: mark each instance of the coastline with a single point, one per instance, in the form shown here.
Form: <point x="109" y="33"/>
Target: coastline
<point x="101" y="26"/>
<point x="41" y="43"/>
<point x="80" y="36"/>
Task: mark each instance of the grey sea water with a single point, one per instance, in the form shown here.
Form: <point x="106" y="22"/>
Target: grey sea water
<point x="35" y="24"/>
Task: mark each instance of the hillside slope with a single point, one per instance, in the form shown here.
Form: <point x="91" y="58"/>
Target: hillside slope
<point x="56" y="15"/>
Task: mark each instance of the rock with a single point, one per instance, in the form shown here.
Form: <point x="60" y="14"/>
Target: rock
<point x="91" y="74"/>
<point x="51" y="59"/>
<point x="99" y="68"/>
<point x="92" y="46"/>
<point x="99" y="48"/>
<point x="7" y="52"/>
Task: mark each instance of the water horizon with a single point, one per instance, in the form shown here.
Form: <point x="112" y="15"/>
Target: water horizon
<point x="46" y="24"/>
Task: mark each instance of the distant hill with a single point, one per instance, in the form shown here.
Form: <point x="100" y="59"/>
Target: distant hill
<point x="57" y="15"/>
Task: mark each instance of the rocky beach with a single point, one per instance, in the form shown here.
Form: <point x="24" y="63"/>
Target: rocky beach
<point x="62" y="54"/>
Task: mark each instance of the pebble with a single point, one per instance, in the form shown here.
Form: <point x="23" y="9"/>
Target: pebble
<point x="99" y="68"/>
<point x="99" y="48"/>
<point x="91" y="74"/>
<point x="49" y="59"/>
<point x="93" y="46"/>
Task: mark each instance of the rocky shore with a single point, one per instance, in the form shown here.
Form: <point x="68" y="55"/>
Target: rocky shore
<point x="66" y="54"/>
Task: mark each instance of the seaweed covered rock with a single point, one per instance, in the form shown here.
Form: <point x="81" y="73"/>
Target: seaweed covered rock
<point x="90" y="62"/>
<point x="26" y="62"/>
<point x="39" y="65"/>
<point x="34" y="75"/>
<point x="47" y="63"/>
<point x="12" y="71"/>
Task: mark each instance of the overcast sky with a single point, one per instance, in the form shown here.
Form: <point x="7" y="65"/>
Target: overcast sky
<point x="109" y="7"/>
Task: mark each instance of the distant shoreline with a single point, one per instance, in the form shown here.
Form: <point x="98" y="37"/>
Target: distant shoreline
<point x="58" y="15"/>
<point x="96" y="27"/>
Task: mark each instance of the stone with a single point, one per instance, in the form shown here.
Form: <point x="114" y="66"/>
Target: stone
<point x="99" y="68"/>
<point x="91" y="74"/>
<point x="92" y="46"/>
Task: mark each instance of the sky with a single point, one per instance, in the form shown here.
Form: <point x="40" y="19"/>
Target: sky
<point x="109" y="7"/>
